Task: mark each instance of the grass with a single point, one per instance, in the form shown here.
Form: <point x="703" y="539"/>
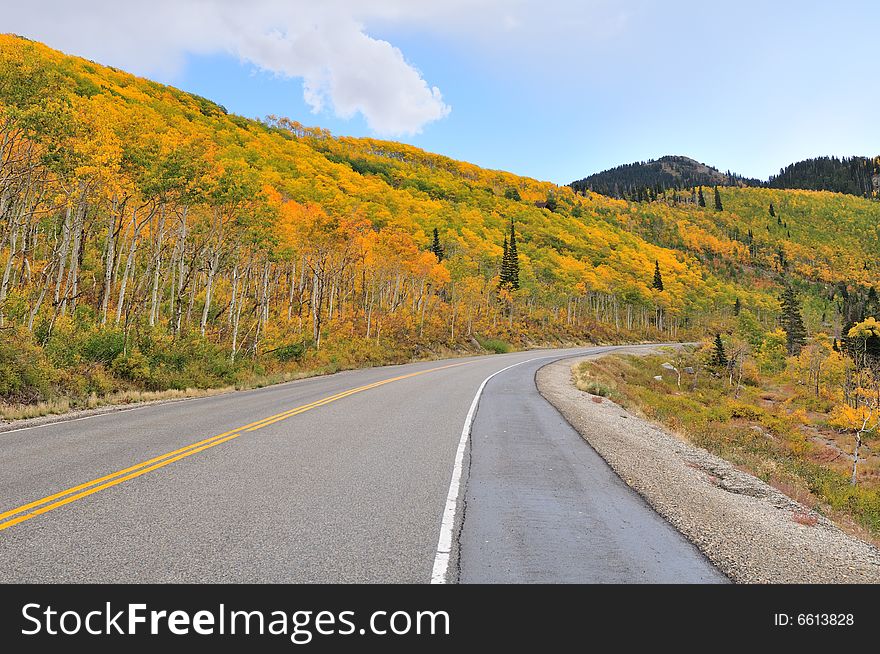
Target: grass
<point x="774" y="442"/>
<point x="495" y="345"/>
<point x="10" y="412"/>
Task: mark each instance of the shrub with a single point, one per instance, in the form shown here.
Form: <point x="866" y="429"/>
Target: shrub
<point x="595" y="388"/>
<point x="134" y="366"/>
<point x="26" y="375"/>
<point x="495" y="345"/>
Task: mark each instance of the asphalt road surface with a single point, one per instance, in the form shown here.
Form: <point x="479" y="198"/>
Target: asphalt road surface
<point x="343" y="478"/>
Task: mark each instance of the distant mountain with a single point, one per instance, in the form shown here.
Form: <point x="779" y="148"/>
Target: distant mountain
<point x="852" y="175"/>
<point x="646" y="178"/>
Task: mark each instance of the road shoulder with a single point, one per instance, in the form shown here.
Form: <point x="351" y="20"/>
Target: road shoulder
<point x="752" y="532"/>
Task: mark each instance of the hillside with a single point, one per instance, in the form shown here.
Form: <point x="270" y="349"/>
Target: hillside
<point x="852" y="175"/>
<point x="151" y="240"/>
<point x="643" y="179"/>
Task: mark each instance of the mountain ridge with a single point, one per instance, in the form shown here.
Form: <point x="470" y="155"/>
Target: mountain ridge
<point x="641" y="180"/>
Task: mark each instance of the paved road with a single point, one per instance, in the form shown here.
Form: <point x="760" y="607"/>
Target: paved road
<point x="336" y="487"/>
<point x="541" y="506"/>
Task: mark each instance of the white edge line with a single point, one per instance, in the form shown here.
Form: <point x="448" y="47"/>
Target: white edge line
<point x="444" y="543"/>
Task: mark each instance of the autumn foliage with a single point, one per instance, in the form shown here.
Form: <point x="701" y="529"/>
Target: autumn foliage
<point x="149" y="238"/>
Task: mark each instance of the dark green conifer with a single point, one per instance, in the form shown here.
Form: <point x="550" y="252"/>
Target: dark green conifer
<point x="719" y="356"/>
<point x="718" y="205"/>
<point x="504" y="275"/>
<point x="792" y="322"/>
<point x="513" y="259"/>
<point x="436" y="246"/>
<point x="658" y="278"/>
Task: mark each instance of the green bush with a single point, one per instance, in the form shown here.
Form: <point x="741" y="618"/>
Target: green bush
<point x="495" y="345"/>
<point x="293" y="351"/>
<point x="133" y="366"/>
<point x="26" y="375"/>
<point x="597" y="388"/>
<point x="102" y="346"/>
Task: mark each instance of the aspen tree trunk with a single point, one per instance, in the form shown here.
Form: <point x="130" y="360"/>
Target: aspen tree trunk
<point x="109" y="260"/>
<point x="157" y="268"/>
<point x="4" y="286"/>
<point x="853" y="478"/>
<point x="72" y="285"/>
<point x="182" y="273"/>
<point x="292" y="292"/>
<point x="36" y="309"/>
<point x="62" y="253"/>
<point x="233" y="294"/>
<point x="129" y="265"/>
<point x="236" y="322"/>
<point x="209" y="288"/>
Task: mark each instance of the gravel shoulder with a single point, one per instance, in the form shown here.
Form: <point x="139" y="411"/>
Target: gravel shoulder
<point x="752" y="532"/>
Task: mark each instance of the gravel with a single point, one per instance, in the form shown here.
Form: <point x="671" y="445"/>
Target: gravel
<point x="752" y="532"/>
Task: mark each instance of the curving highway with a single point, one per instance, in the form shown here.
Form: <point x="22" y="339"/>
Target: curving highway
<point x="391" y="474"/>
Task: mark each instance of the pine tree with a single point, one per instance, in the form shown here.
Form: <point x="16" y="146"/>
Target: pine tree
<point x="504" y="276"/>
<point x="792" y="322"/>
<point x="700" y="199"/>
<point x="436" y="247"/>
<point x="719" y="356"/>
<point x="718" y="205"/>
<point x="737" y="307"/>
<point x="513" y="259"/>
<point x="772" y="210"/>
<point x="509" y="275"/>
<point x="658" y="278"/>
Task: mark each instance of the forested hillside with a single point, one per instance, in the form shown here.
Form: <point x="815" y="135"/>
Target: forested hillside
<point x="853" y="175"/>
<point x="151" y="240"/>
<point x="644" y="180"/>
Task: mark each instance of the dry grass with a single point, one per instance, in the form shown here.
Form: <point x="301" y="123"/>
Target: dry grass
<point x="805" y="461"/>
<point x="24" y="411"/>
<point x="11" y="412"/>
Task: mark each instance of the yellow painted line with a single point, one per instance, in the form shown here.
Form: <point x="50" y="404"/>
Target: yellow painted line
<point x="50" y="502"/>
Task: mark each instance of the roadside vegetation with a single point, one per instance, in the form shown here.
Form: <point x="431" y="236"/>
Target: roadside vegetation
<point x="805" y="420"/>
<point x="150" y="241"/>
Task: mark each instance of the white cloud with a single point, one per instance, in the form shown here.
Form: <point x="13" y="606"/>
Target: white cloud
<point x="325" y="44"/>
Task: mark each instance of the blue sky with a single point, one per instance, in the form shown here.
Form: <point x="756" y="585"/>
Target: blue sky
<point x="555" y="89"/>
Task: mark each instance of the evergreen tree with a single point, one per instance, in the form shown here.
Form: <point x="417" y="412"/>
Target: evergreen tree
<point x="719" y="356"/>
<point x="513" y="259"/>
<point x="658" y="278"/>
<point x="700" y="199"/>
<point x="512" y="193"/>
<point x="509" y="276"/>
<point x="737" y="307"/>
<point x="436" y="247"/>
<point x="504" y="276"/>
<point x="772" y="210"/>
<point x="792" y="322"/>
<point x="718" y="205"/>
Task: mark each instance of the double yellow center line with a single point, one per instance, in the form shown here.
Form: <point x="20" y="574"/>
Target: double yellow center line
<point x="30" y="510"/>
